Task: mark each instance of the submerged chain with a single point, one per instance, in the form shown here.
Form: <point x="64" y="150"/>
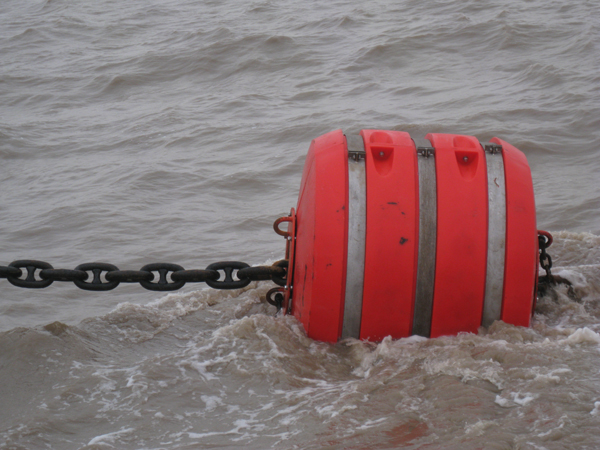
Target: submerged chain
<point x="549" y="282"/>
<point x="96" y="276"/>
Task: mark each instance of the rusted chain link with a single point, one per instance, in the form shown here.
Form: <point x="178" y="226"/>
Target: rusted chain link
<point x="105" y="277"/>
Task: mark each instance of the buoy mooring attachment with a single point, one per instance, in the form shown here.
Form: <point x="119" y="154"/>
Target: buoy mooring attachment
<point x="394" y="236"/>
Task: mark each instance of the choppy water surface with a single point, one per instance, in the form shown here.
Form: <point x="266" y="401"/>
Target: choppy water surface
<point x="134" y="132"/>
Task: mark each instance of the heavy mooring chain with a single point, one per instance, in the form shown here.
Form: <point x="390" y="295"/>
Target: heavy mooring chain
<point x="545" y="241"/>
<point x="105" y="277"/>
<point x="549" y="282"/>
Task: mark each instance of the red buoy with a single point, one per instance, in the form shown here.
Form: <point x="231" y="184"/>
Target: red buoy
<point x="395" y="236"/>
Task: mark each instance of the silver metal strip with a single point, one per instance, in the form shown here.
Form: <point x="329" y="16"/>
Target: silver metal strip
<point x="427" y="238"/>
<point x="494" y="279"/>
<point x="357" y="228"/>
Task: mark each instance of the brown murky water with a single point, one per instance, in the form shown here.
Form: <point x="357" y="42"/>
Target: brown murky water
<point x="135" y="132"/>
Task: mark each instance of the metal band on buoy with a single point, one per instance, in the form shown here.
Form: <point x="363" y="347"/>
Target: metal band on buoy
<point x="357" y="229"/>
<point x="427" y="237"/>
<point x="494" y="284"/>
<point x="396" y="237"/>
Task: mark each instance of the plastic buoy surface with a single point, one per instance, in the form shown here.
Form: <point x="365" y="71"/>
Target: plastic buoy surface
<point x="396" y="237"/>
<point x="392" y="231"/>
<point x="321" y="238"/>
<point x="462" y="222"/>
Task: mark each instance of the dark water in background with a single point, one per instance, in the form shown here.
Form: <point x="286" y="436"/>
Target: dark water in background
<point x="134" y="132"/>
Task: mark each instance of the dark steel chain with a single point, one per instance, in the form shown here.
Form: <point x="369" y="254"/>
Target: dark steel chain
<point x="276" y="297"/>
<point x="545" y="258"/>
<point x="548" y="282"/>
<point x="97" y="276"/>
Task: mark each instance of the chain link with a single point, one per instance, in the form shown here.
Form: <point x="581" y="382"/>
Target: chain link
<point x="545" y="259"/>
<point x="275" y="297"/>
<point x="97" y="276"/>
<point x="171" y="277"/>
<point x="548" y="282"/>
<point x="30" y="281"/>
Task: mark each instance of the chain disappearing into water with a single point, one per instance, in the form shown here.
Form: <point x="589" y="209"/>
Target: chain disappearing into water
<point x="105" y="277"/>
<point x="545" y="241"/>
<point x="548" y="282"/>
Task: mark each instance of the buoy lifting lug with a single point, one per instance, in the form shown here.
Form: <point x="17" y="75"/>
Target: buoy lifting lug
<point x="424" y="147"/>
<point x="425" y="151"/>
<point x="490" y="147"/>
<point x="356" y="147"/>
<point x="357" y="156"/>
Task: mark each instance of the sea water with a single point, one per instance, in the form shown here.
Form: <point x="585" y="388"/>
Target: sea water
<point x="143" y="131"/>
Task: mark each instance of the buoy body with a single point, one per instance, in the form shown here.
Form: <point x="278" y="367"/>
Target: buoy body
<point x="395" y="237"/>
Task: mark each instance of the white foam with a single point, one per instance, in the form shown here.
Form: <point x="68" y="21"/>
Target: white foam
<point x="576" y="278"/>
<point x="201" y="369"/>
<point x="211" y="401"/>
<point x="333" y="410"/>
<point x="504" y="402"/>
<point x="371" y="423"/>
<point x="552" y="377"/>
<point x="203" y="435"/>
<point x="582" y="335"/>
<point x="596" y="410"/>
<point x="412" y="339"/>
<point x="239" y="425"/>
<point x="110" y="438"/>
<point x="516" y="399"/>
<point x="479" y="427"/>
<point x="522" y="400"/>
